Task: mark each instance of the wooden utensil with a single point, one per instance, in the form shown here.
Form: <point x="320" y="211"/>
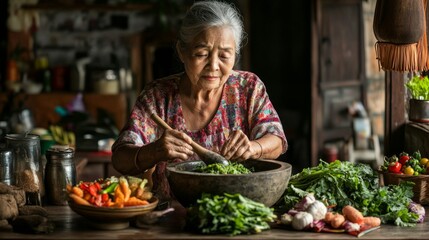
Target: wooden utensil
<point x="207" y="156"/>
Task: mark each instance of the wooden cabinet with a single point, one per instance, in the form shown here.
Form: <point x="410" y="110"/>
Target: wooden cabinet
<point x="338" y="71"/>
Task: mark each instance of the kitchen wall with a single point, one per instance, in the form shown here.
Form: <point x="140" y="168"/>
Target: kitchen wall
<point x="278" y="46"/>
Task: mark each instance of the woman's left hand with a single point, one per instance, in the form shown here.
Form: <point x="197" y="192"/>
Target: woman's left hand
<point x="237" y="147"/>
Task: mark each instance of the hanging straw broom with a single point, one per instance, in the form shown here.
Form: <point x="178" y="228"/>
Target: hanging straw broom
<point x="400" y="28"/>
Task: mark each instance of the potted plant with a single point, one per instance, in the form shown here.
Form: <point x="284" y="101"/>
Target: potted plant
<point x="419" y="101"/>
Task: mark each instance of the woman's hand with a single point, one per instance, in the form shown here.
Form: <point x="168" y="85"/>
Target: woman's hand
<point x="173" y="144"/>
<point x="238" y="147"/>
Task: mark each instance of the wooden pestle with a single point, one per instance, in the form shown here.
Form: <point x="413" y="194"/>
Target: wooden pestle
<point x="207" y="156"/>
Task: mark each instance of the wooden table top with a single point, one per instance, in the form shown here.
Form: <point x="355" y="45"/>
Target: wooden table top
<point x="69" y="225"/>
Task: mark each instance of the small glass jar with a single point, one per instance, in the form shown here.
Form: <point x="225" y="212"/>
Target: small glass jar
<point x="108" y="84"/>
<point x="6" y="167"/>
<point x="28" y="165"/>
<point x="60" y="171"/>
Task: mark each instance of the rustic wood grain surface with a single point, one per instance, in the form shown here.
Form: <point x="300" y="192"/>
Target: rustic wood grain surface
<point x="69" y="225"/>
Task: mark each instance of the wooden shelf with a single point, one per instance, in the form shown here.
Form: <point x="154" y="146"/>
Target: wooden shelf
<point x="91" y="7"/>
<point x="43" y="105"/>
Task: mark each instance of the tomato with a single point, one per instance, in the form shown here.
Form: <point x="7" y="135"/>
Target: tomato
<point x="424" y="161"/>
<point x="93" y="190"/>
<point x="409" y="170"/>
<point x="403" y="159"/>
<point x="104" y="197"/>
<point x="395" y="167"/>
<point x="97" y="186"/>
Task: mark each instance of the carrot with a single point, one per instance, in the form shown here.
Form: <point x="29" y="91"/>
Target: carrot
<point x="78" y="191"/>
<point x="134" y="201"/>
<point x="125" y="188"/>
<point x="86" y="196"/>
<point x="108" y="203"/>
<point x="79" y="200"/>
<point x="69" y="188"/>
<point x="119" y="198"/>
<point x="140" y="189"/>
<point x="372" y="221"/>
<point x="352" y="214"/>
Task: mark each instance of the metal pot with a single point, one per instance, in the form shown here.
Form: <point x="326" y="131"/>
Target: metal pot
<point x="419" y="111"/>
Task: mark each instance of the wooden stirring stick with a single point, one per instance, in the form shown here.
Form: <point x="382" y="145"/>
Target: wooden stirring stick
<point x="207" y="156"/>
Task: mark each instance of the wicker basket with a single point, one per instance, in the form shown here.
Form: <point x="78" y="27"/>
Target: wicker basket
<point x="420" y="189"/>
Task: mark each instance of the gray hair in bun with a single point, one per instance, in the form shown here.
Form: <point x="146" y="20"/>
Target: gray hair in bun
<point x="206" y="14"/>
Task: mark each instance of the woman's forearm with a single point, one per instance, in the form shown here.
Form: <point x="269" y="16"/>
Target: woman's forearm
<point x="271" y="146"/>
<point x="131" y="159"/>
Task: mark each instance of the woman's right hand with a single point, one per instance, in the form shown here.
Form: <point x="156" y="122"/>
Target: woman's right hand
<point x="172" y="145"/>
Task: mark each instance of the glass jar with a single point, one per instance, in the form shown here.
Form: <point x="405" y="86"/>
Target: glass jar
<point x="60" y="171"/>
<point x="108" y="83"/>
<point x="28" y="165"/>
<point x="6" y="167"/>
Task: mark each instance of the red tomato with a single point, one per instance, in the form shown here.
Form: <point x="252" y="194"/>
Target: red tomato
<point x="93" y="190"/>
<point x="403" y="159"/>
<point x="395" y="167"/>
<point x="104" y="197"/>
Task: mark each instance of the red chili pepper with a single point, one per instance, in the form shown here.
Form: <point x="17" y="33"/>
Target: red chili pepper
<point x="98" y="186"/>
<point x="395" y="167"/>
<point x="84" y="185"/>
<point x="403" y="159"/>
<point x="107" y="203"/>
<point x="92" y="200"/>
<point x="93" y="190"/>
<point x="104" y="197"/>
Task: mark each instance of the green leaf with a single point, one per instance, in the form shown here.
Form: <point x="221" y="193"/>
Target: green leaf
<point x="229" y="213"/>
<point x="419" y="87"/>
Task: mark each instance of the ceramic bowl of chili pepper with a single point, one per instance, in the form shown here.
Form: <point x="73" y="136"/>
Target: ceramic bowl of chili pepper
<point x="113" y="202"/>
<point x="112" y="218"/>
<point x="265" y="184"/>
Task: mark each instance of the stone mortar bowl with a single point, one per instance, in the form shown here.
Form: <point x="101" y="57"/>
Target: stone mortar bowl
<point x="266" y="184"/>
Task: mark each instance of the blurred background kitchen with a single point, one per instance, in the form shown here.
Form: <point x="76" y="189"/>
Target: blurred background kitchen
<point x="70" y="71"/>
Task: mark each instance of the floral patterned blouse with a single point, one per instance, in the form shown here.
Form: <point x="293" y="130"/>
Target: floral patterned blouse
<point x="244" y="105"/>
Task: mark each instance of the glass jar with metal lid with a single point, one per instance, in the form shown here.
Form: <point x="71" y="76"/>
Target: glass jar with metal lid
<point x="28" y="165"/>
<point x="60" y="171"/>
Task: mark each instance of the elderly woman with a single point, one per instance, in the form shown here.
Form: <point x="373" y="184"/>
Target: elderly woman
<point x="224" y="110"/>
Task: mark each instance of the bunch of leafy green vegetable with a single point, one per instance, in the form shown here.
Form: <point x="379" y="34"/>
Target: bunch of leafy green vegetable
<point x="419" y="87"/>
<point x="229" y="213"/>
<point x="219" y="168"/>
<point x="344" y="183"/>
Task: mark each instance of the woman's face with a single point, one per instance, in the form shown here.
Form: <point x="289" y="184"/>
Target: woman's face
<point x="209" y="59"/>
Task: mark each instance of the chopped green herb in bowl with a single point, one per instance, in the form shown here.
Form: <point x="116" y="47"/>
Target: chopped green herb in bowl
<point x="218" y="168"/>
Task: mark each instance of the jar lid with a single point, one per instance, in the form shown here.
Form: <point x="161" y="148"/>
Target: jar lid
<point x="23" y="137"/>
<point x="63" y="151"/>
